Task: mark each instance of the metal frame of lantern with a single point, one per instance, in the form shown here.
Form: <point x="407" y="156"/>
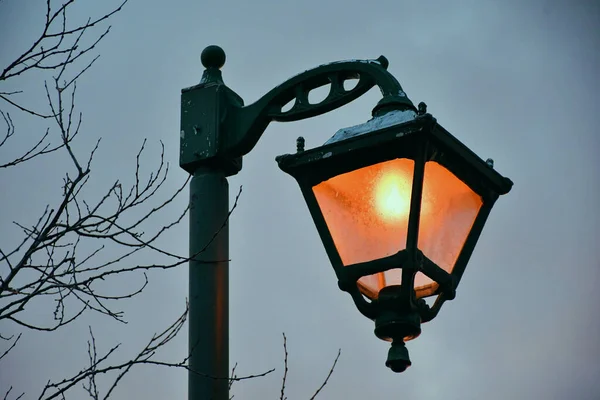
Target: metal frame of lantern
<point x="398" y="310"/>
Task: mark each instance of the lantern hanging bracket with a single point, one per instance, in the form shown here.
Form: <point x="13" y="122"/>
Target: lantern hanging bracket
<point x="247" y="124"/>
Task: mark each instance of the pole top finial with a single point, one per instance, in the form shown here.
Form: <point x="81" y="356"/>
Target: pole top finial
<point x="213" y="57"/>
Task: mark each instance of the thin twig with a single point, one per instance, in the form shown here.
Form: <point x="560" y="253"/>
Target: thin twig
<point x="285" y="368"/>
<point x="328" y="375"/>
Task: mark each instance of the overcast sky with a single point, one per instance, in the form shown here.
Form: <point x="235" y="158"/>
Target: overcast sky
<point x="516" y="81"/>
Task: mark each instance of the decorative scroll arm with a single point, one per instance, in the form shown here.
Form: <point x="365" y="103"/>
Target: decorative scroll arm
<point x="217" y="130"/>
<point x="245" y="125"/>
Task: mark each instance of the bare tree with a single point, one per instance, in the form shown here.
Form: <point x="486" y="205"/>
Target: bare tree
<point x="74" y="249"/>
<point x="70" y="253"/>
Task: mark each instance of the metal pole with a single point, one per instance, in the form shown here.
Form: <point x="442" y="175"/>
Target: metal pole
<point x="209" y="286"/>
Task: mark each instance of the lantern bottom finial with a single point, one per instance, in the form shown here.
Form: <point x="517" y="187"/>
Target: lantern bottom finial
<point x="398" y="359"/>
<point x="396" y="322"/>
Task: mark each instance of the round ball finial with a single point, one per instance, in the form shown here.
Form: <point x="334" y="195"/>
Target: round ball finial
<point x="213" y="57"/>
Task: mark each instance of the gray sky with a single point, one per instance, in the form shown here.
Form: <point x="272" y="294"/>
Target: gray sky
<point x="516" y="81"/>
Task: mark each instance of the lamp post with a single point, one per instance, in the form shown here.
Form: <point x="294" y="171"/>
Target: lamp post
<point x="398" y="202"/>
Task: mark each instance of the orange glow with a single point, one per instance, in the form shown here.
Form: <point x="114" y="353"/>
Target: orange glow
<point x="451" y="210"/>
<point x="392" y="196"/>
<point x="367" y="211"/>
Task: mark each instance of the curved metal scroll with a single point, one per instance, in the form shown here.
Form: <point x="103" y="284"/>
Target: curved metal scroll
<point x="245" y="125"/>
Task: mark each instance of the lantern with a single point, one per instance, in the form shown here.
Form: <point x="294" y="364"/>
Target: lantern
<point x="399" y="204"/>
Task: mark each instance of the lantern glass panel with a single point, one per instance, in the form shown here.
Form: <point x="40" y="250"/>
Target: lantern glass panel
<point x="448" y="211"/>
<point x="370" y="285"/>
<point x="366" y="210"/>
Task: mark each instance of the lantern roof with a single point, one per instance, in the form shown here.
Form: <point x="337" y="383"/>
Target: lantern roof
<point x="393" y="135"/>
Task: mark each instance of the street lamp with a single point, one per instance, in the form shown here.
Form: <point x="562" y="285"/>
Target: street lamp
<point x="398" y="202"/>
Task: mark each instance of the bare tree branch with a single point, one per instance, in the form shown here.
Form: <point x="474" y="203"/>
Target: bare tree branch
<point x="12" y="346"/>
<point x="10" y="127"/>
<point x="8" y="393"/>
<point x="285" y="372"/>
<point x="328" y="375"/>
<point x="147" y="356"/>
<point x="285" y="368"/>
<point x="40" y="148"/>
<point x="55" y="48"/>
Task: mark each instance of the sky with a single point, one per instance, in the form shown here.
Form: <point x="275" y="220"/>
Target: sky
<point x="515" y="81"/>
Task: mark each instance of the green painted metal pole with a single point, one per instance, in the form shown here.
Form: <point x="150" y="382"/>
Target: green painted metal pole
<point x="209" y="286"/>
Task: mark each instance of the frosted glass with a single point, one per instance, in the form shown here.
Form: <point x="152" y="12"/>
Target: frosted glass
<point x="367" y="212"/>
<point x="448" y="210"/>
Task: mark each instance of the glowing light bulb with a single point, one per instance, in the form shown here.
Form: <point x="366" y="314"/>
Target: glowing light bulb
<point x="392" y="196"/>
